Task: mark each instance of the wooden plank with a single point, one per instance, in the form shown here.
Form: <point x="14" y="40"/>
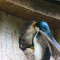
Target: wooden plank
<point x="29" y="11"/>
<point x="9" y="38"/>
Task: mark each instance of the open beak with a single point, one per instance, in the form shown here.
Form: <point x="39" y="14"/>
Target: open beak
<point x="33" y="24"/>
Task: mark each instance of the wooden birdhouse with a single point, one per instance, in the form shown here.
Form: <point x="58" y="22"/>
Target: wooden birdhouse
<point x="15" y="15"/>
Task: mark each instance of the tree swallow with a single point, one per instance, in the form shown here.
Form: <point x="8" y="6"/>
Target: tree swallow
<point x="45" y="45"/>
<point x="42" y="25"/>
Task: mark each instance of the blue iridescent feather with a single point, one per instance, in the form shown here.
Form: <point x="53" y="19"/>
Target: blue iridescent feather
<point x="42" y="25"/>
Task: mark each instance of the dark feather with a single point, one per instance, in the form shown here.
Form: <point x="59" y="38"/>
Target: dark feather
<point x="55" y="51"/>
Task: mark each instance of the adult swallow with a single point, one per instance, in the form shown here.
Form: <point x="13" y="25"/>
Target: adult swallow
<point x="44" y="44"/>
<point x="42" y="25"/>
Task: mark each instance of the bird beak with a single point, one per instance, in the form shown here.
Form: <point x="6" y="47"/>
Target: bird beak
<point x="32" y="48"/>
<point x="33" y="24"/>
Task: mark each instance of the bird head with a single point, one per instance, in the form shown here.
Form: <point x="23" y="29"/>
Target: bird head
<point x="42" y="25"/>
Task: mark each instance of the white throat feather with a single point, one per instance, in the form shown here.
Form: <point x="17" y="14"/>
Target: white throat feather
<point x="38" y="49"/>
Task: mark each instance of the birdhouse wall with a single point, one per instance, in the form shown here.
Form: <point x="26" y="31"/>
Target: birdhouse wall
<point x="10" y="27"/>
<point x="17" y="15"/>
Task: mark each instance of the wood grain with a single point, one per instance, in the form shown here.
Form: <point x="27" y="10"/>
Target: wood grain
<point x="9" y="38"/>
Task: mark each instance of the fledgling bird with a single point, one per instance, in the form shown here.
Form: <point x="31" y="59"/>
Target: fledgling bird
<point x="44" y="44"/>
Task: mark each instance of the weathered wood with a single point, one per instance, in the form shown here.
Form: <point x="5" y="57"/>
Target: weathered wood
<point x="9" y="38"/>
<point x="29" y="9"/>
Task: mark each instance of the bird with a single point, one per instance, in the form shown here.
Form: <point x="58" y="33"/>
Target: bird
<point x="44" y="44"/>
<point x="44" y="47"/>
<point x="42" y="25"/>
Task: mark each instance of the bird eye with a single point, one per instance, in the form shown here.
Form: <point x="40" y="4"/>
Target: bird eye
<point x="45" y="28"/>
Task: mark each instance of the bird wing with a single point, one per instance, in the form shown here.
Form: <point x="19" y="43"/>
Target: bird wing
<point x="52" y="47"/>
<point x="29" y="54"/>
